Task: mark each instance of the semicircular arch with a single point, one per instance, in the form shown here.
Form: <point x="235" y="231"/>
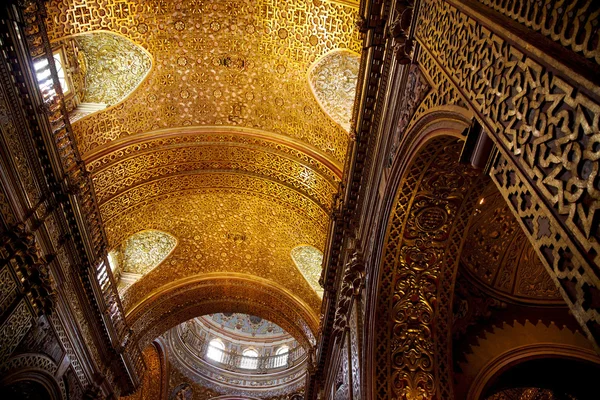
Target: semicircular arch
<point x="430" y="198"/>
<point x="210" y="293"/>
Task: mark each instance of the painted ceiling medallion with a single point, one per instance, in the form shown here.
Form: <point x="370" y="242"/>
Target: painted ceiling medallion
<point x="309" y="259"/>
<point x="333" y="83"/>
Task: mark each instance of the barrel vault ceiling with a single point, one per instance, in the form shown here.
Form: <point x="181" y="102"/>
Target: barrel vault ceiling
<point x="223" y="145"/>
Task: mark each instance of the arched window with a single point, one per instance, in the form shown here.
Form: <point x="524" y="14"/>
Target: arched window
<point x="215" y="350"/>
<point x="249" y="359"/>
<point x="281" y="356"/>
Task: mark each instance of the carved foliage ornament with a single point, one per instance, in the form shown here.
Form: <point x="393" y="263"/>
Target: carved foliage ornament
<point x="352" y="284"/>
<point x="420" y="256"/>
<point x="399" y="30"/>
<point x="21" y="252"/>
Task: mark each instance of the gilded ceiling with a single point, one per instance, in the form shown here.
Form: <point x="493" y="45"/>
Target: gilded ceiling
<point x="224" y="230"/>
<point x="498" y="255"/>
<point x="223" y="144"/>
<point x="224" y="62"/>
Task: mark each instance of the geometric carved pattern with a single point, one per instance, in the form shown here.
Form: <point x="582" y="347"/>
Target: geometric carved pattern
<point x="552" y="246"/>
<point x="127" y="175"/>
<point x="538" y="117"/>
<point x="221" y="62"/>
<point x="499" y="255"/>
<point x="31" y="361"/>
<point x="224" y="232"/>
<point x="422" y="246"/>
<point x="548" y="133"/>
<point x="577" y="32"/>
<point x="8" y="288"/>
<point x="14" y="328"/>
<point x="66" y="343"/>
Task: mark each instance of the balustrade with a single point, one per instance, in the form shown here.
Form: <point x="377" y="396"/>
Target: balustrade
<point x="235" y="361"/>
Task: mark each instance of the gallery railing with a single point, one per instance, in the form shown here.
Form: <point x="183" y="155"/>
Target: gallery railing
<point x="235" y="361"/>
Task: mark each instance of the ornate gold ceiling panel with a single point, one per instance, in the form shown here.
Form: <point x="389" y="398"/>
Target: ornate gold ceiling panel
<point x="221" y="231"/>
<point x="498" y="255"/>
<point x="123" y="173"/>
<point x="222" y="62"/>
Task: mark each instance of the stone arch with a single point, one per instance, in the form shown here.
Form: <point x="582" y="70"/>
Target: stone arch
<point x="433" y="198"/>
<point x="221" y="292"/>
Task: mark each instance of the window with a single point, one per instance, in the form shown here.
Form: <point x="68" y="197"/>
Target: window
<point x="281" y="356"/>
<point x="215" y="350"/>
<point x="249" y="359"/>
<point x="42" y="72"/>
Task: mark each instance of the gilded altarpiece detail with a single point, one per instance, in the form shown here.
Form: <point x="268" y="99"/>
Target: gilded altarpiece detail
<point x="547" y="133"/>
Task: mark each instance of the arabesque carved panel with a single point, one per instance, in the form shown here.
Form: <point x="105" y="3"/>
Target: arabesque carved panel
<point x="547" y="131"/>
<point x="423" y="243"/>
<point x="549" y="128"/>
<point x="573" y="24"/>
<point x="221" y="62"/>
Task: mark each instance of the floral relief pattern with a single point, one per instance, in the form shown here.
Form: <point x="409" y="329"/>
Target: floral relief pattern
<point x="113" y="66"/>
<point x="333" y="81"/>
